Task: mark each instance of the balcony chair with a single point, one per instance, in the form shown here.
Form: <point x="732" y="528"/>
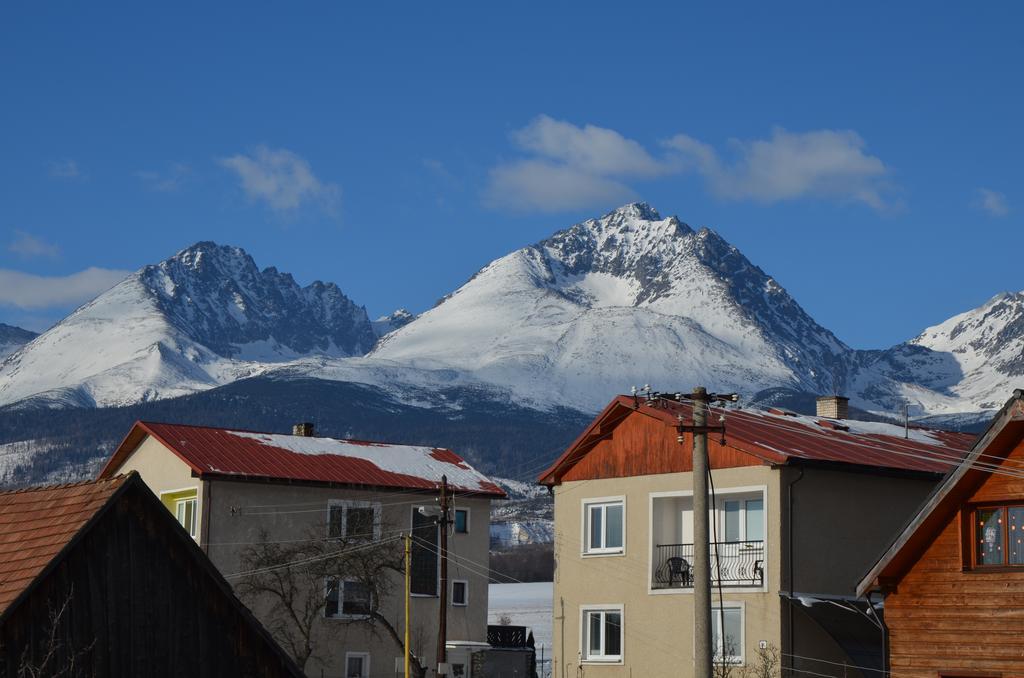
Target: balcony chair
<point x="678" y="567"/>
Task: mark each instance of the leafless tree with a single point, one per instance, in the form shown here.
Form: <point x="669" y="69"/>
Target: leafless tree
<point x="57" y="660"/>
<point x="295" y="583"/>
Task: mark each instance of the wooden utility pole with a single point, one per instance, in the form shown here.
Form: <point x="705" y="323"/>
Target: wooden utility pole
<point x="408" y="606"/>
<point x="701" y="538"/>
<point x="442" y="621"/>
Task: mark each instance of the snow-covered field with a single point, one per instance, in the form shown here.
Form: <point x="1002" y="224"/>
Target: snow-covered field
<point x="526" y="605"/>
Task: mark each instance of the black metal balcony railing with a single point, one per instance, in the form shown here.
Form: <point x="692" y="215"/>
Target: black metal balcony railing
<point x="739" y="563"/>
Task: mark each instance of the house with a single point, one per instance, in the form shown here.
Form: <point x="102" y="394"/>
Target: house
<point x="97" y="579"/>
<point x="953" y="578"/>
<point x="236" y="491"/>
<point x="800" y="505"/>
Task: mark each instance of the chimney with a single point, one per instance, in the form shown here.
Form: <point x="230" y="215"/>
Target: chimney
<point x="834" y="407"/>
<point x="304" y="429"/>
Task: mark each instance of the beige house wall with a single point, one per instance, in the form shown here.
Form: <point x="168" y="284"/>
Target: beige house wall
<point x="658" y="625"/>
<point x="235" y="513"/>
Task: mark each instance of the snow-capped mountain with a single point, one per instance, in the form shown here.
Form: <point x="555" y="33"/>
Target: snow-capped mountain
<point x="624" y="299"/>
<point x="204" y="317"/>
<point x="969" y="363"/>
<point x="12" y="338"/>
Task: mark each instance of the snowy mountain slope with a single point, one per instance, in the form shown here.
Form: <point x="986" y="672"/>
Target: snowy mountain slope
<point x="391" y="322"/>
<point x="204" y="317"/>
<point x="620" y="300"/>
<point x="969" y="363"/>
<point x="12" y="338"/>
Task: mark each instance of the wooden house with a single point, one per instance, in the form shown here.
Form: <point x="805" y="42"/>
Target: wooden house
<point x="953" y="580"/>
<point x="98" y="579"/>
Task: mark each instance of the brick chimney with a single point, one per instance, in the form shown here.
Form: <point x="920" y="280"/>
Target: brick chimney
<point x="304" y="429"/>
<point x="834" y="407"/>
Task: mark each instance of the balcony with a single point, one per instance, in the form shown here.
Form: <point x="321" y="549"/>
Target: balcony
<point x="739" y="564"/>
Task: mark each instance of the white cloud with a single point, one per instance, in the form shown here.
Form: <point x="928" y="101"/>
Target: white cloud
<point x="29" y="291"/>
<point x="828" y="164"/>
<point x="167" y="181"/>
<point x="65" y="169"/>
<point x="27" y="246"/>
<point x="992" y="202"/>
<point x="281" y="179"/>
<point x="569" y="167"/>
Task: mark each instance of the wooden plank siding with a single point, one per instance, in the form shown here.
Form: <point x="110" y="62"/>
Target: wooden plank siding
<point x="140" y="600"/>
<point x="644" y="445"/>
<point x="944" y="618"/>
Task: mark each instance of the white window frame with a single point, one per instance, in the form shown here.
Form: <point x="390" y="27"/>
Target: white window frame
<point x="346" y="504"/>
<point x="465" y="583"/>
<point x="584" y="617"/>
<point x="742" y="498"/>
<point x="716" y="623"/>
<point x="341" y="581"/>
<point x="193" y="528"/>
<point x="366" y="663"/>
<point x="466" y="511"/>
<point x="586" y="550"/>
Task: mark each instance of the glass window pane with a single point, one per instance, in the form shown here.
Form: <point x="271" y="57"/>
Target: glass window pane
<point x="733" y="632"/>
<point x="1016" y="534"/>
<point x="359" y="523"/>
<point x="755" y="520"/>
<point x="355" y="667"/>
<point x="335" y="518"/>
<point x="732" y="521"/>
<point x="459" y="593"/>
<point x="356" y="598"/>
<point x="331" y="609"/>
<point x="594" y="643"/>
<point x="596" y="541"/>
<point x="988" y="532"/>
<point x="716" y="636"/>
<point x="461" y="521"/>
<point x="613" y="521"/>
<point x="612" y="634"/>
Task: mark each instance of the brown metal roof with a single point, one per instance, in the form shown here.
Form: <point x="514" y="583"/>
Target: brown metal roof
<point x="781" y="437"/>
<point x="213" y="452"/>
<point x="37" y="523"/>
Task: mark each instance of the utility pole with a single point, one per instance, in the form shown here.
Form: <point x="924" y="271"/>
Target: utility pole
<point x="442" y="621"/>
<point x="699" y="400"/>
<point x="408" y="587"/>
<point x="701" y="538"/>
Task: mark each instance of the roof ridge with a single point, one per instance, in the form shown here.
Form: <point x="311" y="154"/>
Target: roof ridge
<point x="277" y="433"/>
<point x="62" y="486"/>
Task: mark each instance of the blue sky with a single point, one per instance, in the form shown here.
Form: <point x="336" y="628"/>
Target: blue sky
<point x="867" y="156"/>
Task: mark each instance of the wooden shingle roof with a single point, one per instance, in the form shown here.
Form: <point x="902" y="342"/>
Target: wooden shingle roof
<point x="36" y="524"/>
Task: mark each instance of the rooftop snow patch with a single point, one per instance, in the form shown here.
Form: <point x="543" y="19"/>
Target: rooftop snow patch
<point x="426" y="463"/>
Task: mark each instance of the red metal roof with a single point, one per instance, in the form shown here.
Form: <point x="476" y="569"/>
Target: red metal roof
<point x="212" y="452"/>
<point x="777" y="437"/>
<point x="37" y="523"/>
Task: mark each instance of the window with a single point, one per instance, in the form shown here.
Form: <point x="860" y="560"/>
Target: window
<point x="357" y="665"/>
<point x="460" y="593"/>
<point x="743" y="520"/>
<point x="462" y="521"/>
<point x="728" y="646"/>
<point x="998" y="536"/>
<point x="602" y="634"/>
<point x="425" y="554"/>
<point x="353" y="520"/>
<point x="604" y="526"/>
<point x="185" y="511"/>
<point x="347" y="599"/>
<point x="184" y="506"/>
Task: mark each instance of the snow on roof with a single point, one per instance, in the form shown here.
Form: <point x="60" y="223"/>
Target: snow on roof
<point x="427" y="463"/>
<point x="225" y="452"/>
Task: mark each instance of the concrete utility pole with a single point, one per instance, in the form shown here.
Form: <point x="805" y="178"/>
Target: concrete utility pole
<point x="701" y="538"/>
<point x="442" y="621"/>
